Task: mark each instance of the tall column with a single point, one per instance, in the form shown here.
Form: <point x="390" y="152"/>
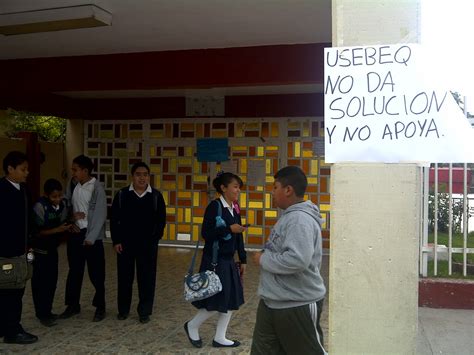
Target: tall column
<point x="375" y="215"/>
<point x="74" y="141"/>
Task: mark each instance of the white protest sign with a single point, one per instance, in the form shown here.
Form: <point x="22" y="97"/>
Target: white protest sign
<point x="381" y="105"/>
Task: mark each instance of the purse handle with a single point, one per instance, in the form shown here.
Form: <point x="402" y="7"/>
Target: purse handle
<point x="215" y="247"/>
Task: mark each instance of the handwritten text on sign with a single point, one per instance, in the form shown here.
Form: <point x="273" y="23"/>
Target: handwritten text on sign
<point x="379" y="107"/>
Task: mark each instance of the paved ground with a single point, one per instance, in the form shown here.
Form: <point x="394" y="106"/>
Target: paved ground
<point x="441" y="331"/>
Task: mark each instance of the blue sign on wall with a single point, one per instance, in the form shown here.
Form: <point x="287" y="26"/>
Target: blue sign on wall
<point x="212" y="149"/>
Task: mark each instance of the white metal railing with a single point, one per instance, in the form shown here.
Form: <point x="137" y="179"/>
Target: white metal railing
<point x="435" y="250"/>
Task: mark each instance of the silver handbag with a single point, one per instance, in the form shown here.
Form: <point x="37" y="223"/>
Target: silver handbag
<point x="204" y="284"/>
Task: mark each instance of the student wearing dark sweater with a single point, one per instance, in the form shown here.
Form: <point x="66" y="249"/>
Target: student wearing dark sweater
<point x="50" y="215"/>
<point x="14" y="216"/>
<point x="137" y="223"/>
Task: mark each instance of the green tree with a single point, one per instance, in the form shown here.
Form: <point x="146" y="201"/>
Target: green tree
<point x="49" y="128"/>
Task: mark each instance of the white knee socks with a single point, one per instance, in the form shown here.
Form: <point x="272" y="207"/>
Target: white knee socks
<point x="193" y="325"/>
<point x="222" y="323"/>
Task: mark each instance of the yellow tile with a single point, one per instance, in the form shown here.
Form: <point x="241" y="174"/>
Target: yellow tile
<point x="297" y="149"/>
<point x="294" y="125"/>
<point x="243" y="199"/>
<point x="200" y="178"/>
<point x="169" y="185"/>
<point x="268" y="201"/>
<point x="184" y="161"/>
<point x="260" y="151"/>
<point x="239" y="148"/>
<point x="251" y="216"/>
<point x="272" y="148"/>
<point x="325" y="216"/>
<point x="255" y="231"/>
<point x="184" y="228"/>
<point x="180" y="215"/>
<point x="307" y="153"/>
<point x="170" y="210"/>
<point x="195" y="233"/>
<point x="172" y="231"/>
<point x="156" y="134"/>
<point x="196" y="199"/>
<point x="155" y="169"/>
<point x="255" y="204"/>
<point x="325" y="207"/>
<point x="271" y="214"/>
<point x="252" y="126"/>
<point x="268" y="166"/>
<point x="184" y="194"/>
<point x="306" y="129"/>
<point x="152" y="151"/>
<point x="165" y="196"/>
<point x="172" y="166"/>
<point x="258" y="188"/>
<point x="197" y="166"/>
<point x="168" y="153"/>
<point x="187" y="215"/>
<point x="323" y="163"/>
<point x="181" y="182"/>
<point x="136" y="134"/>
<point x="312" y="180"/>
<point x="198" y="220"/>
<point x="187" y="126"/>
<point x="188" y="151"/>
<point x="243" y="166"/>
<point x="157" y="182"/>
<point x="269" y="179"/>
<point x="239" y="129"/>
<point x="219" y="134"/>
<point x="314" y="167"/>
<point x="244" y="179"/>
<point x="275" y="129"/>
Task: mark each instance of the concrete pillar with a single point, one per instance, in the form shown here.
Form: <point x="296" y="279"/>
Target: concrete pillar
<point x="375" y="215"/>
<point x="74" y="142"/>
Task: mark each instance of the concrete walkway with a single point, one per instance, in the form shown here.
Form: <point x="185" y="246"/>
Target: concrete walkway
<point x="440" y="331"/>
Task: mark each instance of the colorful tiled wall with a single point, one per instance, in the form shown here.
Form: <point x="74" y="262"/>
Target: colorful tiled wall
<point x="169" y="147"/>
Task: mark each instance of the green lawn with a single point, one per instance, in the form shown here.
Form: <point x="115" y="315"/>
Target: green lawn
<point x="457" y="242"/>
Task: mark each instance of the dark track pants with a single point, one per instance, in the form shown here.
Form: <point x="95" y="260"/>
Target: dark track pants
<point x="11" y="306"/>
<point x="78" y="254"/>
<point x="292" y="331"/>
<point x="145" y="259"/>
<point x="44" y="281"/>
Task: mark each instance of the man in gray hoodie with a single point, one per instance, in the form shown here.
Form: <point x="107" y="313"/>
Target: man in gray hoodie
<point x="291" y="287"/>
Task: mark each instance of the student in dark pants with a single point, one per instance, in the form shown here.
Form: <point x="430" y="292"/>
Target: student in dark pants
<point x="137" y="223"/>
<point x="14" y="215"/>
<point x="49" y="218"/>
<point x="89" y="210"/>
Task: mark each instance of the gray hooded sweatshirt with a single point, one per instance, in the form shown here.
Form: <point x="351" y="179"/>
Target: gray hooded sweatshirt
<point x="291" y="260"/>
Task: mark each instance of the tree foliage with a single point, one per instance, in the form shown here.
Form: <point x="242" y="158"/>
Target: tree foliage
<point x="49" y="128"/>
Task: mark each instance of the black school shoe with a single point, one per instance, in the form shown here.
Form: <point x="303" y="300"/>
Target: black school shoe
<point x="99" y="315"/>
<point x="122" y="316"/>
<point x="195" y="343"/>
<point x="21" y="338"/>
<point x="144" y="319"/>
<point x="219" y="345"/>
<point x="70" y="311"/>
<point x="48" y="321"/>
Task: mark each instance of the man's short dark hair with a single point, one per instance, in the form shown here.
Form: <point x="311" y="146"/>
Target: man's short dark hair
<point x="293" y="176"/>
<point x="13" y="159"/>
<point x="84" y="162"/>
<point x="52" y="185"/>
<point x="140" y="164"/>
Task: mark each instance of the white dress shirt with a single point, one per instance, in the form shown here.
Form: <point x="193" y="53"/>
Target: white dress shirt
<point x="80" y="200"/>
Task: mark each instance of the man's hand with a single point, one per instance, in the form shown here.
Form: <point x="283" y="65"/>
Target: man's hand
<point x="118" y="248"/>
<point x="88" y="243"/>
<point x="242" y="269"/>
<point x="74" y="229"/>
<point x="63" y="228"/>
<point x="256" y="257"/>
